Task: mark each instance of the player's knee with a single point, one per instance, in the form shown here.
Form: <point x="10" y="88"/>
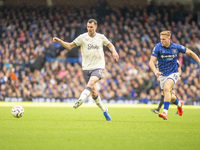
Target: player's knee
<point x="91" y="84"/>
<point x="167" y="89"/>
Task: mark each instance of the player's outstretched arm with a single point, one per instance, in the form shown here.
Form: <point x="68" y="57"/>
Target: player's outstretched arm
<point x="193" y="55"/>
<point x="114" y="52"/>
<point x="152" y="63"/>
<point x="66" y="45"/>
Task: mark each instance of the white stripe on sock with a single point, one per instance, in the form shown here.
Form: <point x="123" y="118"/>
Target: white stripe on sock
<point x="84" y="94"/>
<point x="165" y="111"/>
<point x="179" y="104"/>
<point x="100" y="104"/>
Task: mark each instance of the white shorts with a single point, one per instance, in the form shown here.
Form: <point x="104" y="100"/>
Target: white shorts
<point x="163" y="79"/>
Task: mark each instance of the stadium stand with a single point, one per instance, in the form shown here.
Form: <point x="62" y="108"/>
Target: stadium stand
<point x="34" y="68"/>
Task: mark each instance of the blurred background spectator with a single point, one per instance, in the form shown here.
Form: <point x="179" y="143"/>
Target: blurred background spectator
<point x="32" y="66"/>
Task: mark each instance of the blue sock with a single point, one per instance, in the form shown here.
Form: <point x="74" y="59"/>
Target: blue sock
<point x="176" y="102"/>
<point x="166" y="105"/>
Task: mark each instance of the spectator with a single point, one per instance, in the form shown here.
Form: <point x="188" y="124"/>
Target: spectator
<point x="134" y="33"/>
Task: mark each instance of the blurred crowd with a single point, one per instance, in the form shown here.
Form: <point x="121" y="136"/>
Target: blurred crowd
<point x="26" y="46"/>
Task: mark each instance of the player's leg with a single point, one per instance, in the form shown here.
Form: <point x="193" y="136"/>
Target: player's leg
<point x="97" y="99"/>
<point x="162" y="80"/>
<point x="160" y="104"/>
<point x="161" y="101"/>
<point x="167" y="97"/>
<point x="179" y="104"/>
<point x="99" y="103"/>
<point x="86" y="92"/>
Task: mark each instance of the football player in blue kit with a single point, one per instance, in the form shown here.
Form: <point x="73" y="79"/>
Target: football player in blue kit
<point x="166" y="53"/>
<point x="162" y="94"/>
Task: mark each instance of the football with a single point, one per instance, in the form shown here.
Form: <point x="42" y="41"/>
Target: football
<point x="17" y="111"/>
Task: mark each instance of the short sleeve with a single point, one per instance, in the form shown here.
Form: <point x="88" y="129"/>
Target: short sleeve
<point x="105" y="41"/>
<point x="155" y="51"/>
<point x="78" y="40"/>
<point x="181" y="48"/>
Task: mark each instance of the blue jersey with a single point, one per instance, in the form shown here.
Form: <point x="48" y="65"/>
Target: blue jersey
<point x="167" y="57"/>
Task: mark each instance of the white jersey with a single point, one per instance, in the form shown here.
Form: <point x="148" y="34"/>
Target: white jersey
<point x="92" y="50"/>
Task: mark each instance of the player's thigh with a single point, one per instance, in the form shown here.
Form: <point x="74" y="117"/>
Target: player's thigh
<point x="92" y="81"/>
<point x="168" y="85"/>
<point x="95" y="75"/>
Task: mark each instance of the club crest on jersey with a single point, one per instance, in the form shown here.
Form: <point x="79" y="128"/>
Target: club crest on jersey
<point x="174" y="51"/>
<point x="163" y="51"/>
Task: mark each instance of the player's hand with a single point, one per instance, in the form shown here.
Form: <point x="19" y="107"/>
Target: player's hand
<point x="115" y="55"/>
<point x="157" y="73"/>
<point x="55" y="39"/>
<point x="158" y="79"/>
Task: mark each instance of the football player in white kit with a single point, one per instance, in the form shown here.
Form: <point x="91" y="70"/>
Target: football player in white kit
<point x="93" y="61"/>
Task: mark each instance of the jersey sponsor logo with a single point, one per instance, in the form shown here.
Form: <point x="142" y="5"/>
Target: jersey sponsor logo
<point x="169" y="56"/>
<point x="90" y="46"/>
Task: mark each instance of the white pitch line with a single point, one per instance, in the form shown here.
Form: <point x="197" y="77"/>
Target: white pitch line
<point x="31" y="104"/>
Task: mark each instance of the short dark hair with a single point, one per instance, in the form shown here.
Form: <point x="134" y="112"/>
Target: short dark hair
<point x="92" y="20"/>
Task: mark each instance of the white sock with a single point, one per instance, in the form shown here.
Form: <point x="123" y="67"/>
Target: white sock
<point x="84" y="94"/>
<point x="165" y="111"/>
<point x="100" y="104"/>
<point x="179" y="104"/>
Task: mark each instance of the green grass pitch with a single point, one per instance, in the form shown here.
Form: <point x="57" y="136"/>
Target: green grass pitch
<point x="57" y="126"/>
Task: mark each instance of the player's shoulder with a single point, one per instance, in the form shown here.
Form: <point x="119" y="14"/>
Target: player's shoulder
<point x="158" y="46"/>
<point x="100" y="35"/>
<point x="174" y="45"/>
<point x="83" y="34"/>
<point x="177" y="46"/>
